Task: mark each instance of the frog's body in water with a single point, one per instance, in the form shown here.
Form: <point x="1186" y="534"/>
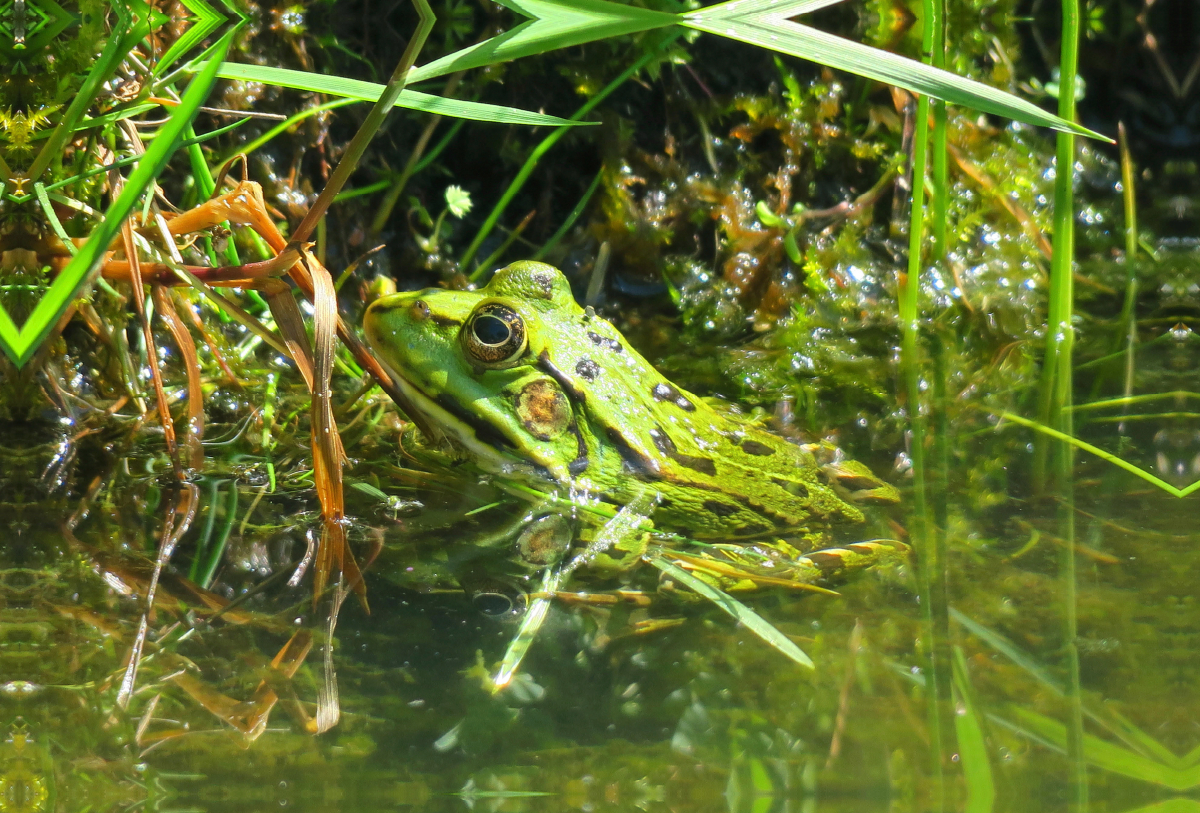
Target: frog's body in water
<point x="536" y="387"/>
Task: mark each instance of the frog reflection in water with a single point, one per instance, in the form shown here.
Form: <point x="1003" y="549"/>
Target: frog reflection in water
<point x="535" y="387"/>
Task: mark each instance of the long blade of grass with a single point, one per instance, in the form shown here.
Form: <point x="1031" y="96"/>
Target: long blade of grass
<point x="972" y="744"/>
<point x="562" y="230"/>
<point x="738" y="611"/>
<point x="534" y="617"/>
<point x="371" y="91"/>
<point x="556" y="24"/>
<point x="547" y="143"/>
<point x="56" y="300"/>
<point x="1103" y="715"/>
<point x="379" y="111"/>
<point x="283" y="127"/>
<point x="1103" y="455"/>
<point x="775" y="32"/>
<point x="1112" y="757"/>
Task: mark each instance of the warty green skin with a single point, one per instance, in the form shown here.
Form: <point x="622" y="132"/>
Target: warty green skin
<point x="581" y="408"/>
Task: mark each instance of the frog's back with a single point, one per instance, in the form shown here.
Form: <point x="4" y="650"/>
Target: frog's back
<point x="717" y="476"/>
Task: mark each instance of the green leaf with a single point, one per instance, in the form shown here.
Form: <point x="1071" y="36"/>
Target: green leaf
<point x="774" y="31"/>
<point x="740" y="612"/>
<point x="371" y="91"/>
<point x="557" y="24"/>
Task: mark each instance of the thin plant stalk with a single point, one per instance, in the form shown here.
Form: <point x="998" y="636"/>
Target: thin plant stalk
<point x="910" y="364"/>
<point x="931" y="575"/>
<point x="397" y="188"/>
<point x="1128" y="322"/>
<point x="370" y="126"/>
<point x="935" y="55"/>
<point x="571" y="218"/>
<point x="933" y="43"/>
<point x="1057" y="387"/>
<point x="547" y="143"/>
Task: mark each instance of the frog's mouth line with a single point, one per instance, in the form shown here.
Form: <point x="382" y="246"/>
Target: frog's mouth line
<point x="442" y="412"/>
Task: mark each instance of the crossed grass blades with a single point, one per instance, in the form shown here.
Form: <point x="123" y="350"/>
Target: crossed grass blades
<point x="80" y="206"/>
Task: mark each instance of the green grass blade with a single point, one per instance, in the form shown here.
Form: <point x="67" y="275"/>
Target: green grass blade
<point x="371" y="91"/>
<point x="283" y="126"/>
<point x="124" y="162"/>
<point x="113" y="117"/>
<point x="1007" y="649"/>
<point x="534" y="617"/>
<point x="740" y="612"/>
<point x="661" y="41"/>
<point x="48" y="211"/>
<point x="972" y="744"/>
<point x="1112" y="757"/>
<point x="1100" y="714"/>
<point x="55" y="302"/>
<point x="1103" y="455"/>
<point x="562" y="230"/>
<point x="775" y="33"/>
<point x="557" y="24"/>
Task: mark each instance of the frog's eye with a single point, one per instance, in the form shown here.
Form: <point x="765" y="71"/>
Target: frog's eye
<point x="494" y="335"/>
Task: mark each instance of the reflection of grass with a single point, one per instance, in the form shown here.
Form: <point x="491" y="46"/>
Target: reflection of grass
<point x="972" y="742"/>
<point x="1138" y="755"/>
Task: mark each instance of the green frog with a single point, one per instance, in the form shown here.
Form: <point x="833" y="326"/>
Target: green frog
<point x="536" y="388"/>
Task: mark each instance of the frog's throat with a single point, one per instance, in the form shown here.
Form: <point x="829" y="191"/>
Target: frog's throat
<point x="489" y="455"/>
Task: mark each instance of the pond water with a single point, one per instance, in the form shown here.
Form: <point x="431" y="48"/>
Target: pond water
<point x="1038" y="650"/>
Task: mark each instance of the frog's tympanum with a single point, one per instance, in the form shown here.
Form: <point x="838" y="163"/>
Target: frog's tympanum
<point x="535" y="387"/>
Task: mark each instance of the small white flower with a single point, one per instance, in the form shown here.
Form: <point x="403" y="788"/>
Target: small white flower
<point x="458" y="200"/>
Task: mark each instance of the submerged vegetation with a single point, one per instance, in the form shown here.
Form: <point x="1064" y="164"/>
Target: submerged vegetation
<point x="232" y="524"/>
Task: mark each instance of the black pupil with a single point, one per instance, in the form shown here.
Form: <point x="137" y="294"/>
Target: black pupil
<point x="491" y="330"/>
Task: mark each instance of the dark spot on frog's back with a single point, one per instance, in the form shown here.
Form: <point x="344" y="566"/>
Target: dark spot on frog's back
<point x="587" y="369"/>
<point x="667" y="446"/>
<point x="580" y="464"/>
<point x="634" y="461"/>
<point x="755" y="448"/>
<point x="791" y="486"/>
<point x="720" y="509"/>
<point x="666" y="393"/>
<point x="544" y="281"/>
<point x="551" y="369"/>
<point x="604" y="341"/>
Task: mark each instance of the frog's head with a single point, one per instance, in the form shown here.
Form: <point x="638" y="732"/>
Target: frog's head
<point x="475" y="362"/>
